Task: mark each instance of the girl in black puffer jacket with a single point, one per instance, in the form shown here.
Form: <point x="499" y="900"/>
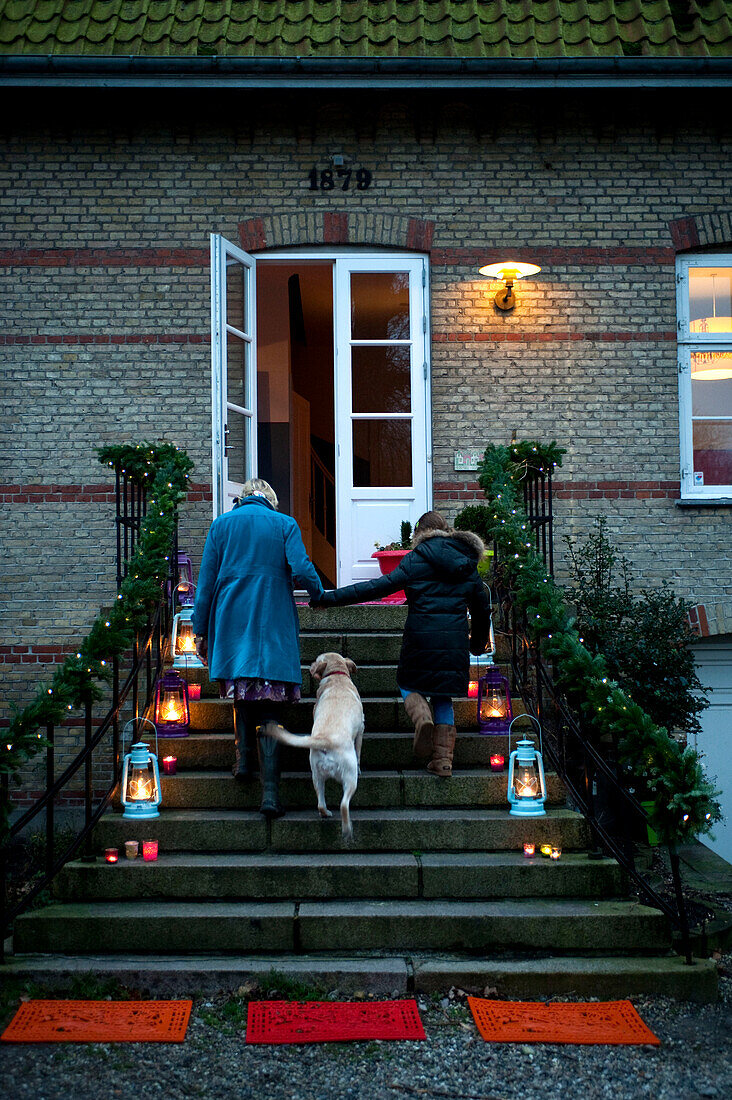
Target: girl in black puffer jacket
<point x="441" y="583"/>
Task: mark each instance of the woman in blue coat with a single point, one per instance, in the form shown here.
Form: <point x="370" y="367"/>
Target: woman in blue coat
<point x="246" y="623"/>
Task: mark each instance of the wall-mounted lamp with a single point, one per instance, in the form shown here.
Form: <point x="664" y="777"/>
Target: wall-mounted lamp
<point x="508" y="271"/>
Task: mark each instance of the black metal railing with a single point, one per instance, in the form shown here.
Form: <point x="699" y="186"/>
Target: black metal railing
<point x="590" y="769"/>
<point x="101" y="746"/>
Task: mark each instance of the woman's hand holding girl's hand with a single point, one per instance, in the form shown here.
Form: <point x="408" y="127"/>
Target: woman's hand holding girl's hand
<point x="325" y="600"/>
<point x="202" y="647"/>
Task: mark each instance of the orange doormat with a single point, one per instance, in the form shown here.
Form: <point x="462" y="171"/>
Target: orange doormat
<point x="615" y="1022"/>
<point x="99" y="1022"/>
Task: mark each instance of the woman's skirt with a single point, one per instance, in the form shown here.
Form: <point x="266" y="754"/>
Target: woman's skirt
<point x="246" y="689"/>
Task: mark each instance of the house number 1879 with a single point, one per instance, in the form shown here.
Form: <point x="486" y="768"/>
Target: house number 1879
<point x="328" y="179"/>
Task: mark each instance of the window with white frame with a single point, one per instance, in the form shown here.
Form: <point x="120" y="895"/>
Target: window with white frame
<point x="704" y="285"/>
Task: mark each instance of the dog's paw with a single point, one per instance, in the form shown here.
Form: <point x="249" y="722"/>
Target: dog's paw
<point x="324" y="811"/>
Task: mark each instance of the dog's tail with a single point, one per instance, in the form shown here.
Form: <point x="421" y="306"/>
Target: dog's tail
<point x="287" y="738"/>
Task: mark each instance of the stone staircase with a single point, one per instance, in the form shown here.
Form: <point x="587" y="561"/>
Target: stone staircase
<point x="434" y="891"/>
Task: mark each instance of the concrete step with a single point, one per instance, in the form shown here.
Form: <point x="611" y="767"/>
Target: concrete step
<point x="382" y="749"/>
<point x="358" y="619"/>
<point x="568" y="926"/>
<point x="271" y="876"/>
<point x="395" y="830"/>
<point x="380" y="713"/>
<point x="217" y="790"/>
<point x="611" y="978"/>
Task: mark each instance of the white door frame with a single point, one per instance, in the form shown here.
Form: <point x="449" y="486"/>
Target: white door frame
<point x="345" y="260"/>
<point x="224" y="254"/>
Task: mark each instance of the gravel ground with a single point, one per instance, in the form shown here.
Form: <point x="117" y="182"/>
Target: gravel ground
<point x="694" y="1060"/>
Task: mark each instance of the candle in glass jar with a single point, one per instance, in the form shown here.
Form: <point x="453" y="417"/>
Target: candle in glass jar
<point x="170" y="764"/>
<point x="546" y="850"/>
<point x="529" y="850"/>
<point x="149" y="850"/>
<point x="111" y="855"/>
<point x="556" y="853"/>
<point x="497" y="762"/>
<point x="194" y="691"/>
<point x="132" y="847"/>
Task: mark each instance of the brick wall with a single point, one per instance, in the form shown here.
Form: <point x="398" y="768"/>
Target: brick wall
<point x="103" y="263"/>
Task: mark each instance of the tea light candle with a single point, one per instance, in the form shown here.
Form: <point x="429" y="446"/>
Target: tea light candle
<point x="556" y="853"/>
<point x="111" y="855"/>
<point x="170" y="765"/>
<point x="132" y="847"/>
<point x="529" y="850"/>
<point x="149" y="850"/>
<point x="497" y="762"/>
<point x="546" y="850"/>
<point x="194" y="691"/>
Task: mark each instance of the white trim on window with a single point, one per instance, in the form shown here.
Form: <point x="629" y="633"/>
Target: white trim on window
<point x="688" y="343"/>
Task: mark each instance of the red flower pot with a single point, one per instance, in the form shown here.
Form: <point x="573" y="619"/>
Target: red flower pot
<point x="388" y="561"/>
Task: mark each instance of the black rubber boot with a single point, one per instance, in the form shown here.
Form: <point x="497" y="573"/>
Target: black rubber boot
<point x="244" y="737"/>
<point x="269" y="772"/>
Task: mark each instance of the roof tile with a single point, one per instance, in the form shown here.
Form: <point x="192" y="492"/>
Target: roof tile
<point x="379" y="28"/>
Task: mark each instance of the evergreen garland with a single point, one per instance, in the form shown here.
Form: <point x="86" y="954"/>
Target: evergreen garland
<point x="684" y="801"/>
<point x="163" y="469"/>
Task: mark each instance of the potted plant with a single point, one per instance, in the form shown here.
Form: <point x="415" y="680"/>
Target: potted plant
<point x="389" y="556"/>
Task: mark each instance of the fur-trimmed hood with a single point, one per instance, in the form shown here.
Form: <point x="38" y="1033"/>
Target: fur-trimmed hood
<point x="452" y="554"/>
<point x="474" y="541"/>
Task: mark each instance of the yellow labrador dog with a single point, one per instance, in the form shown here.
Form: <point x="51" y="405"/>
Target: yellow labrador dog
<point x="335" y="743"/>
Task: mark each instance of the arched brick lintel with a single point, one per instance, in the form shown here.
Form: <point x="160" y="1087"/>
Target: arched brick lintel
<point x="702" y="230"/>
<point x="709" y="619"/>
<point x="336" y="227"/>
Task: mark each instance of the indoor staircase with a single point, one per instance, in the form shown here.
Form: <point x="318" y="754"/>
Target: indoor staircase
<point x="434" y="891"/>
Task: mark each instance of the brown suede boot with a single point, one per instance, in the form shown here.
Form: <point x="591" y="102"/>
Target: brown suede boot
<point x="441" y="762"/>
<point x="420" y="714"/>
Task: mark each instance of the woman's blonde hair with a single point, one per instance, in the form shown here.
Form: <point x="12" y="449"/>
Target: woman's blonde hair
<point x="257" y="486"/>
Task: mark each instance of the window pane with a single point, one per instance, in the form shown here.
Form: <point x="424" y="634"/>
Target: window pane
<point x="380" y="305"/>
<point x="709" y="366"/>
<point x="711" y="398"/>
<point x="710" y="299"/>
<point x="237" y="449"/>
<point x="713" y="452"/>
<point x="382" y="453"/>
<point x="237" y="361"/>
<point x="381" y="380"/>
<point x="236" y="276"/>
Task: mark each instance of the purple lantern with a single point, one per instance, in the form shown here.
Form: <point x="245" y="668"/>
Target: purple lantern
<point x="172" y="712"/>
<point x="495" y="711"/>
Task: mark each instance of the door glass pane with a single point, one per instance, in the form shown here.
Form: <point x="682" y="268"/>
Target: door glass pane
<point x="712" y="366"/>
<point x="237" y="446"/>
<point x="382" y="453"/>
<point x="237" y="361"/>
<point x="381" y="380"/>
<point x="710" y="299"/>
<point x="380" y="305"/>
<point x="236" y="277"/>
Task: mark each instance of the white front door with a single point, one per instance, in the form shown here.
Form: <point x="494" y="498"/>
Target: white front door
<point x="383" y="452"/>
<point x="233" y="371"/>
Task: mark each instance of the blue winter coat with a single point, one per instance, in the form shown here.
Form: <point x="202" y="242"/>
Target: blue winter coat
<point x="244" y="601"/>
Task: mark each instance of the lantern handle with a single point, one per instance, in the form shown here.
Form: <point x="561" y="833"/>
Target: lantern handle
<point x="132" y="722"/>
<point x="538" y="726"/>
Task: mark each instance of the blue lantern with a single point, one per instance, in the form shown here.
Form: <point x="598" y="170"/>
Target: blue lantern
<point x="183" y="643"/>
<point x="140" y="787"/>
<point x="526" y="779"/>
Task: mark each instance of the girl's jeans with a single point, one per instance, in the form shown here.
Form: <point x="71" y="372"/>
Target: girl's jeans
<point x="441" y="705"/>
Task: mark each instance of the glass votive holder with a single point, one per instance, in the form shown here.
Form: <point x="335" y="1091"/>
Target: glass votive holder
<point x="170" y="765"/>
<point x="111" y="855"/>
<point x="149" y="850"/>
<point x="529" y="851"/>
<point x="497" y="762"/>
<point x="132" y="848"/>
<point x="546" y="850"/>
<point x="194" y="691"/>
<point x="556" y="853"/>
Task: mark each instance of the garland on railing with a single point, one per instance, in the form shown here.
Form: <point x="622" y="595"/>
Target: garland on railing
<point x="163" y="468"/>
<point x="684" y="800"/>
